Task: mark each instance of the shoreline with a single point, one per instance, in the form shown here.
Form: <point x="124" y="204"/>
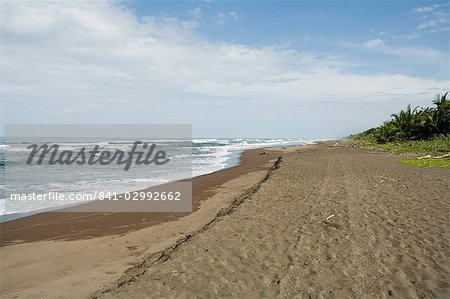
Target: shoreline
<point x="236" y="159"/>
<point x="60" y="244"/>
<point x="41" y="226"/>
<point x="328" y="218"/>
<point x="335" y="221"/>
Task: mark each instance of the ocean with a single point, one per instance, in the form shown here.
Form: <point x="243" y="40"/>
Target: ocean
<point x="189" y="158"/>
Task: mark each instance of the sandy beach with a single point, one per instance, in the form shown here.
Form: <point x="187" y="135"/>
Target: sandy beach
<point x="325" y="220"/>
<point x="224" y="149"/>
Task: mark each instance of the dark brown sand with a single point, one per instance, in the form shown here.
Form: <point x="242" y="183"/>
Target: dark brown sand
<point x="71" y="255"/>
<point x="78" y="225"/>
<point x="331" y="222"/>
<point x="325" y="221"/>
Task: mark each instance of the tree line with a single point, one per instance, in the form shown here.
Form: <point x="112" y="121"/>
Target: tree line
<point x="414" y="124"/>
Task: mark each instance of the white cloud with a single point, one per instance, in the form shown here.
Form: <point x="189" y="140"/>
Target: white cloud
<point x="424" y="9"/>
<point x="414" y="54"/>
<point x="207" y="16"/>
<point x="222" y="18"/>
<point x="373" y="43"/>
<point x="439" y="22"/>
<point x="322" y="86"/>
<point x="196" y="12"/>
<point x="434" y="18"/>
<point x="428" y="9"/>
<point x="97" y="62"/>
<point x="233" y="14"/>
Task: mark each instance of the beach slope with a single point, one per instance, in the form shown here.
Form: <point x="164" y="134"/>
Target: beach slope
<point x="331" y="221"/>
<point x="327" y="220"/>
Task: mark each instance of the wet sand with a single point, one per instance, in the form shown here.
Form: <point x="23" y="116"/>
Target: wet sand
<point x="321" y="221"/>
<point x="71" y="255"/>
<point x="80" y="225"/>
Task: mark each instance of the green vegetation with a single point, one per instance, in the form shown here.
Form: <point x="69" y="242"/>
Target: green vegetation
<point x="426" y="162"/>
<point x="412" y="124"/>
<point x="438" y="145"/>
<point x="420" y="130"/>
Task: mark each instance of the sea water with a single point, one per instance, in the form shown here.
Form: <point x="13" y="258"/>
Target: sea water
<point x="190" y="158"/>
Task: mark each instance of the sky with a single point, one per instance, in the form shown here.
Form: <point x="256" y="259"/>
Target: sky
<point x="309" y="69"/>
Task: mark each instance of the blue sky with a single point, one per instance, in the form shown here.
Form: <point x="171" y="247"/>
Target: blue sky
<point x="312" y="69"/>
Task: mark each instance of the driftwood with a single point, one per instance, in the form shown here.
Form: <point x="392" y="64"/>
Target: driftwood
<point x="424" y="157"/>
<point x="435" y="157"/>
<point x="442" y="157"/>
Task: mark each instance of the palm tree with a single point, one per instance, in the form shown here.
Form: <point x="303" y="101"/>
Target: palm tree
<point x="415" y="124"/>
<point x="385" y="133"/>
<point x="404" y="122"/>
<point x="441" y="116"/>
<point x="424" y="125"/>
